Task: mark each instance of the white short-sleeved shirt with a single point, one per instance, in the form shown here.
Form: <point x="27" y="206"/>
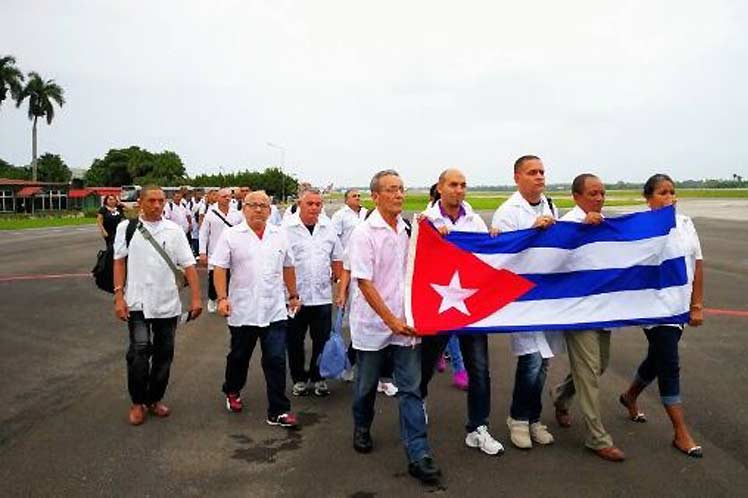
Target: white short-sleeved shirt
<point x="256" y="289"/>
<point x="150" y="286"/>
<point x="213" y="227"/>
<point x="378" y="254"/>
<point x="518" y="214"/>
<point x="313" y="254"/>
<point x="179" y="214"/>
<point x="345" y="220"/>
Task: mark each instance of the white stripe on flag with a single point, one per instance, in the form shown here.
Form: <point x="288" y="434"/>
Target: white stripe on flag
<point x="594" y="256"/>
<point x="625" y="305"/>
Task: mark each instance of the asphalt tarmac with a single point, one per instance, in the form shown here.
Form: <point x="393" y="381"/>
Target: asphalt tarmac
<point x="63" y="399"/>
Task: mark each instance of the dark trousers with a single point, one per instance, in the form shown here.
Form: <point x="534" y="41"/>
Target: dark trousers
<point x="149" y="357"/>
<point x="529" y="380"/>
<point x="474" y="349"/>
<point x="318" y="320"/>
<point x="212" y="295"/>
<point x="662" y="362"/>
<point x="273" y="344"/>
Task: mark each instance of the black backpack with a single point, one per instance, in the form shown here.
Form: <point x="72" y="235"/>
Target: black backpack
<point x="103" y="272"/>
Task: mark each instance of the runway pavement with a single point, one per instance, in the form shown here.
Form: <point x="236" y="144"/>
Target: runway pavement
<point x="64" y="432"/>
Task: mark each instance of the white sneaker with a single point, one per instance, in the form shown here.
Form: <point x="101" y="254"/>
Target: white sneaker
<point x="387" y="388"/>
<point x="519" y="433"/>
<point x="348" y="375"/>
<point x="300" y="389"/>
<point x="425" y="413"/>
<point x="480" y="438"/>
<point x="321" y="389"/>
<point x="539" y="433"/>
<point x="212" y="306"/>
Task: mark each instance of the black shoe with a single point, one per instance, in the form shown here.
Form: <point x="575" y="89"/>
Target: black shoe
<point x="362" y="440"/>
<point x="425" y="470"/>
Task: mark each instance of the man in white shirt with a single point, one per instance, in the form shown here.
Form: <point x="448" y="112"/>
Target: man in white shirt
<point x="451" y="212"/>
<point x="217" y="218"/>
<point x="195" y="205"/>
<point x="378" y="256"/>
<point x="589" y="350"/>
<point x="349" y="216"/>
<point x="261" y="262"/>
<point x="319" y="259"/>
<point x="147" y="297"/>
<point x="528" y="208"/>
<point x="176" y="211"/>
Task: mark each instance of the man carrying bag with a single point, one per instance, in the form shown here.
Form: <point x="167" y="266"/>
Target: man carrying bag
<point x="147" y="281"/>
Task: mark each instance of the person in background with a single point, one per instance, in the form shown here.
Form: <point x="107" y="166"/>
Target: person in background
<point x="110" y="214"/>
<point x="662" y="361"/>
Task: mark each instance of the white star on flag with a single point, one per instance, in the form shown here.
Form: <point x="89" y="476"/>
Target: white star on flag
<point x="453" y="295"/>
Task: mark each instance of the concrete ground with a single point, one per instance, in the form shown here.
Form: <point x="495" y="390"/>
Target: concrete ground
<point x="64" y="431"/>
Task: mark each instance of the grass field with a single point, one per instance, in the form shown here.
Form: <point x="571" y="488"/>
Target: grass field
<point x="21" y="223"/>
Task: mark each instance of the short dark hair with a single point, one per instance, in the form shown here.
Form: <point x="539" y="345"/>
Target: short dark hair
<point x="144" y="191"/>
<point x="577" y="186"/>
<point x="349" y="192"/>
<point x="434" y="193"/>
<point x="651" y="184"/>
<point x="519" y="162"/>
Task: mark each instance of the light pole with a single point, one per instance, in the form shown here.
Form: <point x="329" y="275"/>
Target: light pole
<point x="283" y="160"/>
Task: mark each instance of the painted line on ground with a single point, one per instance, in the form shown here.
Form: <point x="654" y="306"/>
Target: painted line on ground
<point x="717" y="311"/>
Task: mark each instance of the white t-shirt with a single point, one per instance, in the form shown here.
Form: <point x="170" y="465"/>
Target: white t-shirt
<point x="150" y="285"/>
<point x="256" y="289"/>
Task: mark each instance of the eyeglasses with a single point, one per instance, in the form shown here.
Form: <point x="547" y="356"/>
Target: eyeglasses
<point x="394" y="189"/>
<point x="257" y="205"/>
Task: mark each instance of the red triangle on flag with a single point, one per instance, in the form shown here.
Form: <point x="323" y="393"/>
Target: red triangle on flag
<point x="452" y="288"/>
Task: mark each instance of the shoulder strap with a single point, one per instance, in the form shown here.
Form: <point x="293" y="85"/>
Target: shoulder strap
<point x="408" y="227"/>
<point x="550" y="205"/>
<point x="178" y="276"/>
<point x="215" y="211"/>
<point x="130" y="231"/>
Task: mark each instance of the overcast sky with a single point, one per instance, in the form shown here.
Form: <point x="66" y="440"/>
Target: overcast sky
<point x="623" y="89"/>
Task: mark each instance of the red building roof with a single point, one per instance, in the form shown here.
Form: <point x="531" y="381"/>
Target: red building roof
<point x="28" y="191"/>
<point x="9" y="181"/>
<point x="80" y="192"/>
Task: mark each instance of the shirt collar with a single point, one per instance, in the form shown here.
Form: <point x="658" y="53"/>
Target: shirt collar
<point x="460" y="213"/>
<point x="376" y="221"/>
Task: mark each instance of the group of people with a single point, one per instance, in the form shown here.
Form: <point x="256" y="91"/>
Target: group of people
<point x="273" y="283"/>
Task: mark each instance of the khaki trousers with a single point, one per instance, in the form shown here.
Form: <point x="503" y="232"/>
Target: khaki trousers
<point x="589" y="354"/>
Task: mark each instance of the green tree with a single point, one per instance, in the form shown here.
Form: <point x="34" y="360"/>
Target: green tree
<point x="134" y="165"/>
<point x="7" y="170"/>
<point x="52" y="168"/>
<point x="41" y="95"/>
<point x="11" y="78"/>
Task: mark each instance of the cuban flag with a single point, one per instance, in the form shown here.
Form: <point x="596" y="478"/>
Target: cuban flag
<point x="629" y="270"/>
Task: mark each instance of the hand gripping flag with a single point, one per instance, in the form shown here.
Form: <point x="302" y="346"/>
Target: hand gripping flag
<point x="629" y="270"/>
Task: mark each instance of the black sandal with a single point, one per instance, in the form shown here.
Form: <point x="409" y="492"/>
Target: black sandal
<point x="694" y="452"/>
<point x="639" y="417"/>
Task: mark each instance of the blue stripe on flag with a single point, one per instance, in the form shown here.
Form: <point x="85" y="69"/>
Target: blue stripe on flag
<point x="569" y="235"/>
<point x="613" y="324"/>
<point x="670" y="273"/>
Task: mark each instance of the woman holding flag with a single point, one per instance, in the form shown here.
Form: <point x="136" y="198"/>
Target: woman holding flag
<point x="662" y="362"/>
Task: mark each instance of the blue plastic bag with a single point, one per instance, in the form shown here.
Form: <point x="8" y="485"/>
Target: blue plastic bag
<point x="334" y="358"/>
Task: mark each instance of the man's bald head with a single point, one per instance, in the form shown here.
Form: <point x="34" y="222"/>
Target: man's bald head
<point x="452" y="186"/>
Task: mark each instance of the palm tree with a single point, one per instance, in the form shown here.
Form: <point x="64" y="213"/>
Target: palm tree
<point x="41" y="94"/>
<point x="10" y="78"/>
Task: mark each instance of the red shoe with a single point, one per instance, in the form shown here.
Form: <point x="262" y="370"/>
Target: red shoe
<point x="234" y="402"/>
<point x="159" y="409"/>
<point x="460" y="380"/>
<point x="136" y="415"/>
<point x="284" y="420"/>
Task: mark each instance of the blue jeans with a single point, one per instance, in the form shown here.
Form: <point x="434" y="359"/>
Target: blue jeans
<point x="273" y="344"/>
<point x="455" y="355"/>
<point x="662" y="362"/>
<point x="407" y="376"/>
<point x="529" y="380"/>
<point x="475" y="349"/>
